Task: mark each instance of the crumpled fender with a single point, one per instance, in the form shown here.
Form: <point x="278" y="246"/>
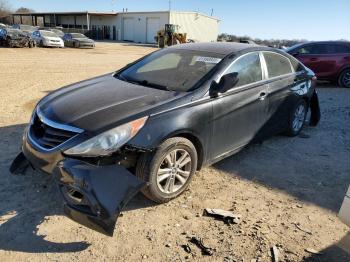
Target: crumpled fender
<point x="315" y="109"/>
<point x="95" y="195"/>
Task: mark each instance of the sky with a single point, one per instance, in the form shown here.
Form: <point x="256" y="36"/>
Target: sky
<point x="266" y="19"/>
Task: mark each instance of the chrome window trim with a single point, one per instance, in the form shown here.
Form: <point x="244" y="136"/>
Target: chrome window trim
<point x="57" y="125"/>
<point x="231" y="64"/>
<point x="54" y="125"/>
<point x="234" y="61"/>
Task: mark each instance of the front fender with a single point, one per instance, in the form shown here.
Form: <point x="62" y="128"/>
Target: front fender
<point x="193" y="119"/>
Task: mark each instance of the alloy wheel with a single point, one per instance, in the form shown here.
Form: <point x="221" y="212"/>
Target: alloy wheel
<point x="174" y="171"/>
<point x="346" y="79"/>
<point x="299" y="117"/>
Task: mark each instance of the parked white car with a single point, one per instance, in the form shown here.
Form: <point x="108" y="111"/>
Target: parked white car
<point x="47" y="38"/>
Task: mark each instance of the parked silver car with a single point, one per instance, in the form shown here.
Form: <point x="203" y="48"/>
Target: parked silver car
<point x="47" y="38"/>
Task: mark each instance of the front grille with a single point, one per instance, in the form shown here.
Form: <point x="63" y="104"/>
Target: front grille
<point x="47" y="136"/>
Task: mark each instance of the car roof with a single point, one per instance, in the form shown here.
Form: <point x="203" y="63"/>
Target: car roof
<point x="223" y="48"/>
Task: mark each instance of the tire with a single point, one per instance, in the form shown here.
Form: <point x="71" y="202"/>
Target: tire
<point x="173" y="179"/>
<point x="297" y="118"/>
<point x="41" y="43"/>
<point x="344" y="78"/>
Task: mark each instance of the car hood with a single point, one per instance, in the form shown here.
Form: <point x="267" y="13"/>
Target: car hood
<point x="101" y="103"/>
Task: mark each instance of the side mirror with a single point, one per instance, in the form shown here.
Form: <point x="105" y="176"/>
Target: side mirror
<point x="226" y="83"/>
<point x="295" y="54"/>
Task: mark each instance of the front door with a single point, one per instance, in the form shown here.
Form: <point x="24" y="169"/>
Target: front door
<point x="239" y="113"/>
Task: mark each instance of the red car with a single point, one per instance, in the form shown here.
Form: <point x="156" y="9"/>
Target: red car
<point x="329" y="60"/>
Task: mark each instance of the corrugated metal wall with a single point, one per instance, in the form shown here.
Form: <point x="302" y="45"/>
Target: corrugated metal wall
<point x="197" y="26"/>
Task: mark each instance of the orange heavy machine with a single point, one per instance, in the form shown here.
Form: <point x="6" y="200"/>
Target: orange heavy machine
<point x="169" y="36"/>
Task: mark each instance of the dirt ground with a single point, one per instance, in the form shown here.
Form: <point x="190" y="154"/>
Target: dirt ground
<point x="287" y="190"/>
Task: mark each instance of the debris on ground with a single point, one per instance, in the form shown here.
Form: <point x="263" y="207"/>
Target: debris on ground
<point x="275" y="254"/>
<point x="227" y="216"/>
<point x="313" y="251"/>
<point x="187" y="248"/>
<point x="306" y="230"/>
<point x="199" y="243"/>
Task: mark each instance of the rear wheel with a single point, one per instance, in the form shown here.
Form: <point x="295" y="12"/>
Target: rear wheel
<point x="297" y="118"/>
<point x="344" y="78"/>
<point x="169" y="170"/>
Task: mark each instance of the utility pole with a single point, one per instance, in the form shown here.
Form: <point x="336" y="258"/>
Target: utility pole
<point x="113" y="5"/>
<point x="212" y="12"/>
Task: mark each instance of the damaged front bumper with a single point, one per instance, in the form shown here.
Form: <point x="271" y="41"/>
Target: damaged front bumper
<point x="94" y="195"/>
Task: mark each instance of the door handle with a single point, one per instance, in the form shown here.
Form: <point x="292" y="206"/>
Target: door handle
<point x="262" y="96"/>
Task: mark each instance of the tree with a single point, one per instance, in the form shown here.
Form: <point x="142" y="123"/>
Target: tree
<point x="24" y="10"/>
<point x="27" y="20"/>
<point x="4" y="9"/>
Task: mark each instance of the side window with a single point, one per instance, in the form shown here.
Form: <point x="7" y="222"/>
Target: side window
<point x="248" y="68"/>
<point x="296" y="65"/>
<point x="277" y="64"/>
<point x="342" y="48"/>
<point x="314" y="49"/>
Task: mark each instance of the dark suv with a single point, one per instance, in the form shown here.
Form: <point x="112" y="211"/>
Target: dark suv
<point x="329" y="60"/>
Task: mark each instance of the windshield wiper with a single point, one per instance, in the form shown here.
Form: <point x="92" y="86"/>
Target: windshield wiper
<point x="149" y="84"/>
<point x="141" y="82"/>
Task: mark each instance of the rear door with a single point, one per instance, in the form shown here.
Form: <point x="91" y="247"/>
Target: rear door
<point x="239" y="113"/>
<point x="282" y="78"/>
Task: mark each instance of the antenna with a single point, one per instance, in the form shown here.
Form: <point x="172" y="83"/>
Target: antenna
<point x="212" y="12"/>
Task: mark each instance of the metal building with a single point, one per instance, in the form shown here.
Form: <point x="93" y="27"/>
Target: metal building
<point x="140" y="27"/>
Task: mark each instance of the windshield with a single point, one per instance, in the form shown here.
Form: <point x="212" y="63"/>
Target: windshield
<point x="75" y="35"/>
<point x="15" y="33"/>
<point x="48" y="33"/>
<point x="58" y="32"/>
<point x="171" y="69"/>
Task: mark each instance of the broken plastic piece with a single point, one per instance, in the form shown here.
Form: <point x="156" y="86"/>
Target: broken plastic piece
<point x="227" y="216"/>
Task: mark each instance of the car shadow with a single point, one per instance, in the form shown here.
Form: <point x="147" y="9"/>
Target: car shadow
<point x="338" y="252"/>
<point x="285" y="164"/>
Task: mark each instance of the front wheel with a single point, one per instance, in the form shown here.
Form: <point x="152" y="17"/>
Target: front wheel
<point x="169" y="170"/>
<point x="297" y="118"/>
<point x="344" y="78"/>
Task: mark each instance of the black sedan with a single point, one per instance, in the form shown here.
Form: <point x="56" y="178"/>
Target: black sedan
<point x="78" y="40"/>
<point x="152" y="124"/>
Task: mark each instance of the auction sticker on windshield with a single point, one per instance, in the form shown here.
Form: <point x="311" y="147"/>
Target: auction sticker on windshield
<point x="209" y="60"/>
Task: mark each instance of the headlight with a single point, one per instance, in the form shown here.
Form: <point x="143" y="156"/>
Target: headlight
<point x="108" y="142"/>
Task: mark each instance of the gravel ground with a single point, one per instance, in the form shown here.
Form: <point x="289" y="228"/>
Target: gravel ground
<point x="287" y="190"/>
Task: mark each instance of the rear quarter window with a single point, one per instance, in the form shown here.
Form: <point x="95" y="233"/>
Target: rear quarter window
<point x="277" y="65"/>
